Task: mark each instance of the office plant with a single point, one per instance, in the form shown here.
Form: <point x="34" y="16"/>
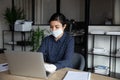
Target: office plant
<point x="36" y="38"/>
<point x="13" y="14"/>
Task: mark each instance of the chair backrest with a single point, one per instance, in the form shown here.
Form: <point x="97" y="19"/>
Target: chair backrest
<point x="78" y="61"/>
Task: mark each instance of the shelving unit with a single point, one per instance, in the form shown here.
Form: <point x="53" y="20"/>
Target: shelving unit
<point x="111" y="56"/>
<point x="23" y="42"/>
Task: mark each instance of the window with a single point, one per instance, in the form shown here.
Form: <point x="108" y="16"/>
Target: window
<point x="43" y="9"/>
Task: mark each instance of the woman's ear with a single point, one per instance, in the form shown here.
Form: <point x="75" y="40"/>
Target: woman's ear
<point x="64" y="26"/>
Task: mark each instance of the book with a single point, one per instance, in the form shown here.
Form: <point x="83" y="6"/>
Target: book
<point x="73" y="75"/>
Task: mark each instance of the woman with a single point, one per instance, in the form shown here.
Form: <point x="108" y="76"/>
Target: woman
<point x="58" y="48"/>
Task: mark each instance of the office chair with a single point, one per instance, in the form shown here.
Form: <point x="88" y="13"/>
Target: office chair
<point x="78" y="61"/>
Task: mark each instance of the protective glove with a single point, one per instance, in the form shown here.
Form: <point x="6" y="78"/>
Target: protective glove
<point x="50" y="67"/>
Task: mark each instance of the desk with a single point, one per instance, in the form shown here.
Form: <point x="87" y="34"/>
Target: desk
<point x="58" y="75"/>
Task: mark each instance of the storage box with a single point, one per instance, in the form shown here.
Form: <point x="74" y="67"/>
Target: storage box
<point x="21" y="25"/>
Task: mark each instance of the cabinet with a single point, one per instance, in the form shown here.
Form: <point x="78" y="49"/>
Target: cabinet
<point x="13" y="40"/>
<point x="79" y="43"/>
<point x="112" y="40"/>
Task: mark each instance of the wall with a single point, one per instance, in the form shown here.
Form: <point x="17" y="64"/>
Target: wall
<point x="49" y="7"/>
<point x="3" y="5"/>
<point x="100" y="9"/>
<point x="117" y="12"/>
<point x="73" y="9"/>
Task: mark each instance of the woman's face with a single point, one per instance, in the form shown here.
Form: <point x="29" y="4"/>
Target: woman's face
<point x="55" y="25"/>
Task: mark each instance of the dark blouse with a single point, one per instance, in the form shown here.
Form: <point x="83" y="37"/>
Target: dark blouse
<point x="58" y="52"/>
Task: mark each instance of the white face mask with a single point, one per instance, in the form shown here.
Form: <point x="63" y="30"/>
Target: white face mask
<point x="56" y="33"/>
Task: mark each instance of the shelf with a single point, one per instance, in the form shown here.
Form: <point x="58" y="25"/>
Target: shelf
<point x="23" y="39"/>
<point x="104" y="25"/>
<point x="22" y="43"/>
<point x="117" y="56"/>
<point x="75" y="34"/>
<point x="106" y="33"/>
<point x="2" y="50"/>
<point x="19" y="43"/>
<point x="91" y="53"/>
<point x="115" y="75"/>
<point x="90" y="70"/>
<point x="113" y="44"/>
<point x="112" y="74"/>
<point x="15" y="31"/>
<point x="10" y="43"/>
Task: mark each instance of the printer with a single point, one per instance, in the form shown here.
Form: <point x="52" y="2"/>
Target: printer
<point x="23" y="25"/>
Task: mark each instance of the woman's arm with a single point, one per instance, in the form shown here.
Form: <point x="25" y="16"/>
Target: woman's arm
<point x="42" y="48"/>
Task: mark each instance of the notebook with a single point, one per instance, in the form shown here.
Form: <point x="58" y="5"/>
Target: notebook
<point x="73" y="75"/>
<point x="29" y="64"/>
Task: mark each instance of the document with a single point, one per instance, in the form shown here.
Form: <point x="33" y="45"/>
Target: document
<point x="73" y="75"/>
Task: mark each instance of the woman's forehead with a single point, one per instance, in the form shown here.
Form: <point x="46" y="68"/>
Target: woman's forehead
<point x="55" y="23"/>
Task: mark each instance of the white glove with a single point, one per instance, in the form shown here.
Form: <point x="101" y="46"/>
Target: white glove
<point x="50" y="67"/>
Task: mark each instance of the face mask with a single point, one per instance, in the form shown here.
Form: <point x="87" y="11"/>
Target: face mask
<point x="56" y="33"/>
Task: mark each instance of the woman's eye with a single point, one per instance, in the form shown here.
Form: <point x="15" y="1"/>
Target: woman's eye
<point x="51" y="27"/>
<point x="57" y="27"/>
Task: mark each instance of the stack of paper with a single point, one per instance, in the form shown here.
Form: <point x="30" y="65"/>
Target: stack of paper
<point x="72" y="75"/>
<point x="113" y="33"/>
<point x="100" y="69"/>
<point x="96" y="32"/>
<point x="100" y="51"/>
<point x="3" y="67"/>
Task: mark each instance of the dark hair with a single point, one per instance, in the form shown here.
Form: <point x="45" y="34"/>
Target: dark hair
<point x="58" y="17"/>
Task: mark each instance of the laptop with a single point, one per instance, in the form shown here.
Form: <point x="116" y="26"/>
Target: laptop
<point x="28" y="64"/>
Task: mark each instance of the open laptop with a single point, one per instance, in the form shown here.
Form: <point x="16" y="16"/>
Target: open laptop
<point x="29" y="64"/>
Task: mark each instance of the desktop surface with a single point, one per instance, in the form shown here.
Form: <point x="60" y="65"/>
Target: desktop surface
<point x="58" y="75"/>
